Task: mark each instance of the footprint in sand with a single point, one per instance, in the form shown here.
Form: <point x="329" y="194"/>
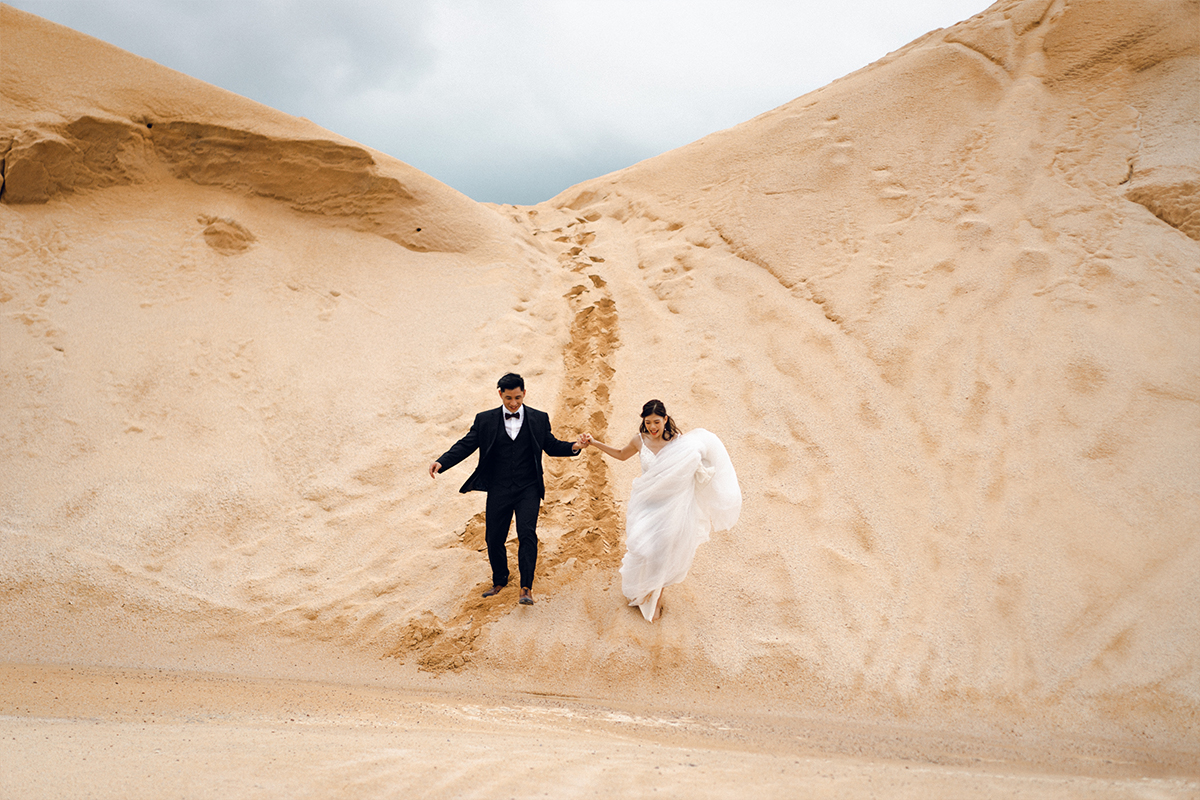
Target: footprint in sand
<point x="225" y="236"/>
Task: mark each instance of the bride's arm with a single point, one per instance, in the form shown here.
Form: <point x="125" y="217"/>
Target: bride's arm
<point x="622" y="454"/>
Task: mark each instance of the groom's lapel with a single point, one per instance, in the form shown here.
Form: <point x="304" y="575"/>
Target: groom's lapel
<point x="534" y="429"/>
<point x="497" y="418"/>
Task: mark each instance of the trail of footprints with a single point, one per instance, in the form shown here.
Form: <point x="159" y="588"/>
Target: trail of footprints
<point x="585" y="508"/>
<point x="579" y="500"/>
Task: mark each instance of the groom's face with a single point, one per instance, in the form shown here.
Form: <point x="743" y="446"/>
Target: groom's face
<point x="512" y="399"/>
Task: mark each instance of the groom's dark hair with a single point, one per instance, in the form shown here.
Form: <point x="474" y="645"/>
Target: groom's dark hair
<point x="511" y="381"/>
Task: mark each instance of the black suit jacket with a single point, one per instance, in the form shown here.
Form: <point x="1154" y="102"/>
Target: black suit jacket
<point x="490" y="424"/>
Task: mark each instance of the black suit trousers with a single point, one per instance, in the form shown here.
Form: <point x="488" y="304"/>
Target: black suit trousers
<point x="502" y="503"/>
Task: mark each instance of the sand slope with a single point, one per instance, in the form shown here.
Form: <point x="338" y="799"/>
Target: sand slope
<point x="943" y="312"/>
<point x="956" y="333"/>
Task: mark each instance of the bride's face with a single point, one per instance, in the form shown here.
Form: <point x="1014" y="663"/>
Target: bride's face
<point x="654" y="425"/>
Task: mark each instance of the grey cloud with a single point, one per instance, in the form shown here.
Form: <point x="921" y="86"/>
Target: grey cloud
<point x="512" y="101"/>
<point x="288" y="53"/>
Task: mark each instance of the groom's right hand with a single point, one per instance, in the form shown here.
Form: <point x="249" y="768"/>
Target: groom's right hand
<point x="434" y="469"/>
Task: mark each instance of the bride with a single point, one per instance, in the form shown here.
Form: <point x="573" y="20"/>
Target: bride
<point x="687" y="489"/>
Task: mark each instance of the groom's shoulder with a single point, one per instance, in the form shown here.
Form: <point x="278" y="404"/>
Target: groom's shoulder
<point x="533" y="412"/>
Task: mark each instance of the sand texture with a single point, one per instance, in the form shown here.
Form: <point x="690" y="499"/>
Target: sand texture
<point x="944" y="313"/>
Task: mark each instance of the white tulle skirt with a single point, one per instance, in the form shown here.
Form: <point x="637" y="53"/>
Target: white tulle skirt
<point x="685" y="492"/>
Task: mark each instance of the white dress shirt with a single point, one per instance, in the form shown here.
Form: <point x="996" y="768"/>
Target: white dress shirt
<point x="513" y="425"/>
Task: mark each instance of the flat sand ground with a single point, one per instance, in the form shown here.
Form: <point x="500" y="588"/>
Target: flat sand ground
<point x="80" y="732"/>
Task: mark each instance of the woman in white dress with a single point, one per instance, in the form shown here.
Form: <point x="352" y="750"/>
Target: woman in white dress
<point x="687" y="489"/>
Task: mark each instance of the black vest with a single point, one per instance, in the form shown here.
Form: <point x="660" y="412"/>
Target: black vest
<point x="511" y="463"/>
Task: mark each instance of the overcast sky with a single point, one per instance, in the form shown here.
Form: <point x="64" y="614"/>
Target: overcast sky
<point x="512" y="101"/>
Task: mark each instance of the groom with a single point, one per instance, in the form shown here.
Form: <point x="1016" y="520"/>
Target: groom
<point x="510" y="441"/>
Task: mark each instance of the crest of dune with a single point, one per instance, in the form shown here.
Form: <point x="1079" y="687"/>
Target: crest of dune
<point x="944" y="313"/>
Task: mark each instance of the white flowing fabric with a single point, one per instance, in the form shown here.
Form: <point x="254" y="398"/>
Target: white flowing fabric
<point x="685" y="492"/>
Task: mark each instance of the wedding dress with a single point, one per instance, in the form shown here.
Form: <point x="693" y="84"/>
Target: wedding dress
<point x="686" y="490"/>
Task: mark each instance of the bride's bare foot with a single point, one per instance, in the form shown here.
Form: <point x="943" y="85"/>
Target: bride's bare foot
<point x="658" y="612"/>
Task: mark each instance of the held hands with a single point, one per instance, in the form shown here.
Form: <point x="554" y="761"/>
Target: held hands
<point x="585" y="439"/>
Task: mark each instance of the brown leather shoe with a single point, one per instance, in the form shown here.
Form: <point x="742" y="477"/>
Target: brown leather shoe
<point x="492" y="592"/>
<point x="526" y="597"/>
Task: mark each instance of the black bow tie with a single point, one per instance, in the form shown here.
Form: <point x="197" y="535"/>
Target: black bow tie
<point x="515" y="415"/>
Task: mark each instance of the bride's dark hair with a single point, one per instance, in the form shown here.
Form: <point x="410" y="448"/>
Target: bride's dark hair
<point x="670" y="429"/>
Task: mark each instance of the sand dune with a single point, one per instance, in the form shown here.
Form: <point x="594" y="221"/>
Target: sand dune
<point x="944" y="312"/>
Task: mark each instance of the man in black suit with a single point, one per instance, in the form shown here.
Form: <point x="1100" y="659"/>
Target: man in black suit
<point x="510" y="440"/>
